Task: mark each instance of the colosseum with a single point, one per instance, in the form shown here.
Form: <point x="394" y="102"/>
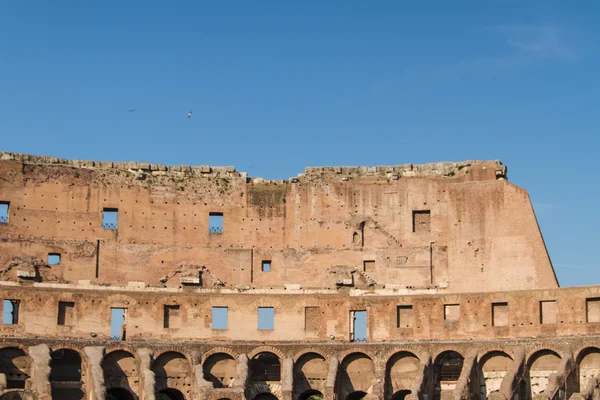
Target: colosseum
<point x="129" y="281"/>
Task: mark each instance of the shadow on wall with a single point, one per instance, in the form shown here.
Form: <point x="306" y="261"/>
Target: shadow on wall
<point x="65" y="375"/>
<point x="120" y="371"/>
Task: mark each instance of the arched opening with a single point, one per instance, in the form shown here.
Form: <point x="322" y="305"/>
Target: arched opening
<point x="356" y="395"/>
<point x="401" y="394"/>
<point x="311" y="395"/>
<point x="492" y="368"/>
<point x="170" y="394"/>
<point x="310" y="375"/>
<point x="121" y="373"/>
<point x="401" y="371"/>
<point x="16" y="366"/>
<point x="588" y="362"/>
<point x="11" y="396"/>
<point x="357" y="375"/>
<point x="119" y="394"/>
<point x="447" y="368"/>
<point x="220" y="369"/>
<point x="65" y="374"/>
<point x="265" y="367"/>
<point x="541" y="365"/>
<point x="266" y="396"/>
<point x="173" y="376"/>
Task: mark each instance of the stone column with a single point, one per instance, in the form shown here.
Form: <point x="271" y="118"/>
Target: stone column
<point x="287" y="378"/>
<point x="462" y="389"/>
<point x="202" y="387"/>
<point x="419" y="384"/>
<point x="146" y="375"/>
<point x="40" y="379"/>
<point x="331" y="378"/>
<point x="511" y="380"/>
<point x="96" y="389"/>
<point x="242" y="372"/>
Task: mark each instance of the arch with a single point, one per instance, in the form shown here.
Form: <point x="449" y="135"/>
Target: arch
<point x="264" y="396"/>
<point x="119" y="394"/>
<point x="220" y="369"/>
<point x="169" y="394"/>
<point x="401" y="372"/>
<point x="357" y="375"/>
<point x="541" y="364"/>
<point x="265" y="367"/>
<point x="216" y="350"/>
<point x="311" y="395"/>
<point x="588" y="363"/>
<point x="65" y="374"/>
<point x="121" y="371"/>
<point x="173" y="375"/>
<point x="447" y="368"/>
<point x="16" y="366"/>
<point x="265" y="349"/>
<point x="310" y="374"/>
<point x="307" y="351"/>
<point x="491" y="371"/>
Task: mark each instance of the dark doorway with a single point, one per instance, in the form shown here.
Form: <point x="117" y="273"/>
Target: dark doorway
<point x="169" y="394"/>
<point x="312" y="395"/>
<point x="65" y="375"/>
<point x="266" y="396"/>
<point x="119" y="394"/>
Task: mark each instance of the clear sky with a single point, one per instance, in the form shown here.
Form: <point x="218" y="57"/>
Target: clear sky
<point x="275" y="86"/>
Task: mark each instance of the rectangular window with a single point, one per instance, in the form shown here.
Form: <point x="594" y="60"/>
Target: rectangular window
<point x="369" y="265"/>
<point x="215" y="222"/>
<point x="4" y="212"/>
<point x="312" y="319"/>
<point x="266" y="266"/>
<point x="66" y="312"/>
<point x="421" y="221"/>
<point x="172" y="318"/>
<point x="500" y="314"/>
<point x="10" y="312"/>
<point x="220" y="318"/>
<point x="266" y="318"/>
<point x="548" y="312"/>
<point x="117" y="323"/>
<point x="593" y="309"/>
<point x="404" y="317"/>
<point x="110" y="218"/>
<point x="451" y="312"/>
<point x="358" y="326"/>
<point x="53" y="258"/>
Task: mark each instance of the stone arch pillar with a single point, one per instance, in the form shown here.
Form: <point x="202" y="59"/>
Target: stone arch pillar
<point x="146" y="375"/>
<point x="287" y="378"/>
<point x="94" y="356"/>
<point x="334" y="364"/>
<point x="40" y="380"/>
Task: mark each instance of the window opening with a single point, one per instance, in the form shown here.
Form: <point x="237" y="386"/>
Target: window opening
<point x="312" y="318"/>
<point x="593" y="309"/>
<point x="215" y="222"/>
<point x="172" y="317"/>
<point x="548" y="312"/>
<point x="404" y="316"/>
<point x="110" y="218"/>
<point x="4" y="212"/>
<point x="451" y="312"/>
<point x="117" y="323"/>
<point x="66" y="311"/>
<point x="10" y="312"/>
<point x="368" y="265"/>
<point x="421" y="221"/>
<point x="266" y="266"/>
<point x="358" y="327"/>
<point x="500" y="314"/>
<point x="266" y="318"/>
<point x="53" y="258"/>
<point x="220" y="318"/>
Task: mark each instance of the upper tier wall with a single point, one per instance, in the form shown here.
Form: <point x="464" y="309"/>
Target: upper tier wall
<point x="454" y="227"/>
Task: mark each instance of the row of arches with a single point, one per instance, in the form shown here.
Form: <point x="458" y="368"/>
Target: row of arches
<point x="357" y="374"/>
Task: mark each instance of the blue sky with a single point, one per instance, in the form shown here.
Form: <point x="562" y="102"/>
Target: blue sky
<point x="275" y="86"/>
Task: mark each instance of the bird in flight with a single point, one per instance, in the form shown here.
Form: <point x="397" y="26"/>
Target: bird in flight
<point x="190" y="114"/>
<point x="131" y="109"/>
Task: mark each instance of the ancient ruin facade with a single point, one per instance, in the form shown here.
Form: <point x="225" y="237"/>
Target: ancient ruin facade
<point x="142" y="281"/>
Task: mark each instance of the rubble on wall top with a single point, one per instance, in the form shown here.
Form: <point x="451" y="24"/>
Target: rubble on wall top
<point x="444" y="169"/>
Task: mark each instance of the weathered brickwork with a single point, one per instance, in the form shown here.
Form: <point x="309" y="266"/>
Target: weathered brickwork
<point x="144" y="281"/>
